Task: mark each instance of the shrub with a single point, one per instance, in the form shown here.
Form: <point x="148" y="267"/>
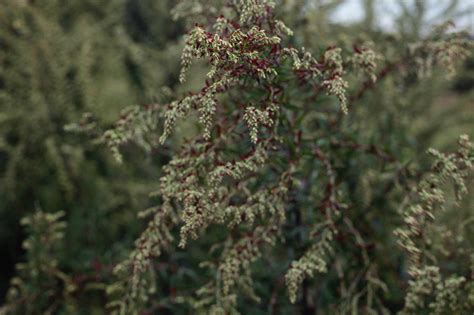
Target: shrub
<point x="277" y="163"/>
<point x="281" y="195"/>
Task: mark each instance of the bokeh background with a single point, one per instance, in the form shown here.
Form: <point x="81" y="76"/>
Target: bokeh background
<point x="62" y="58"/>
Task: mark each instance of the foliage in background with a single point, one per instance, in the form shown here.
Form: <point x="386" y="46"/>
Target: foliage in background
<point x="275" y="200"/>
<point x="34" y="289"/>
<point x="59" y="59"/>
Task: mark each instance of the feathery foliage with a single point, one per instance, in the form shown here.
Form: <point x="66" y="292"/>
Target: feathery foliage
<point x="257" y="91"/>
<point x="282" y="179"/>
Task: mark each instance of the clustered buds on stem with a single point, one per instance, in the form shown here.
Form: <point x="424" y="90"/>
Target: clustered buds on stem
<point x="217" y="177"/>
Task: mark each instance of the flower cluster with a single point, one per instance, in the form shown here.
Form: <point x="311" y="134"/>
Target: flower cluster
<point x="254" y="117"/>
<point x="313" y="261"/>
<point x="429" y="292"/>
<point x="427" y="281"/>
<point x="429" y="197"/>
<point x="365" y="59"/>
<point x="135" y="124"/>
<point x="226" y="175"/>
<point x="442" y="47"/>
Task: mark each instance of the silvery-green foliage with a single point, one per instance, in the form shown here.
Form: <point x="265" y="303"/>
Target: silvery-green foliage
<point x="429" y="197"/>
<point x="428" y="289"/>
<point x="254" y="173"/>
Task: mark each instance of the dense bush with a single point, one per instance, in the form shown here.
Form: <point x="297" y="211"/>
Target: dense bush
<point x="292" y="180"/>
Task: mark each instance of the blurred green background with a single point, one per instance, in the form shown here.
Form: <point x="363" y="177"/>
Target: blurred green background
<point x="62" y="58"/>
